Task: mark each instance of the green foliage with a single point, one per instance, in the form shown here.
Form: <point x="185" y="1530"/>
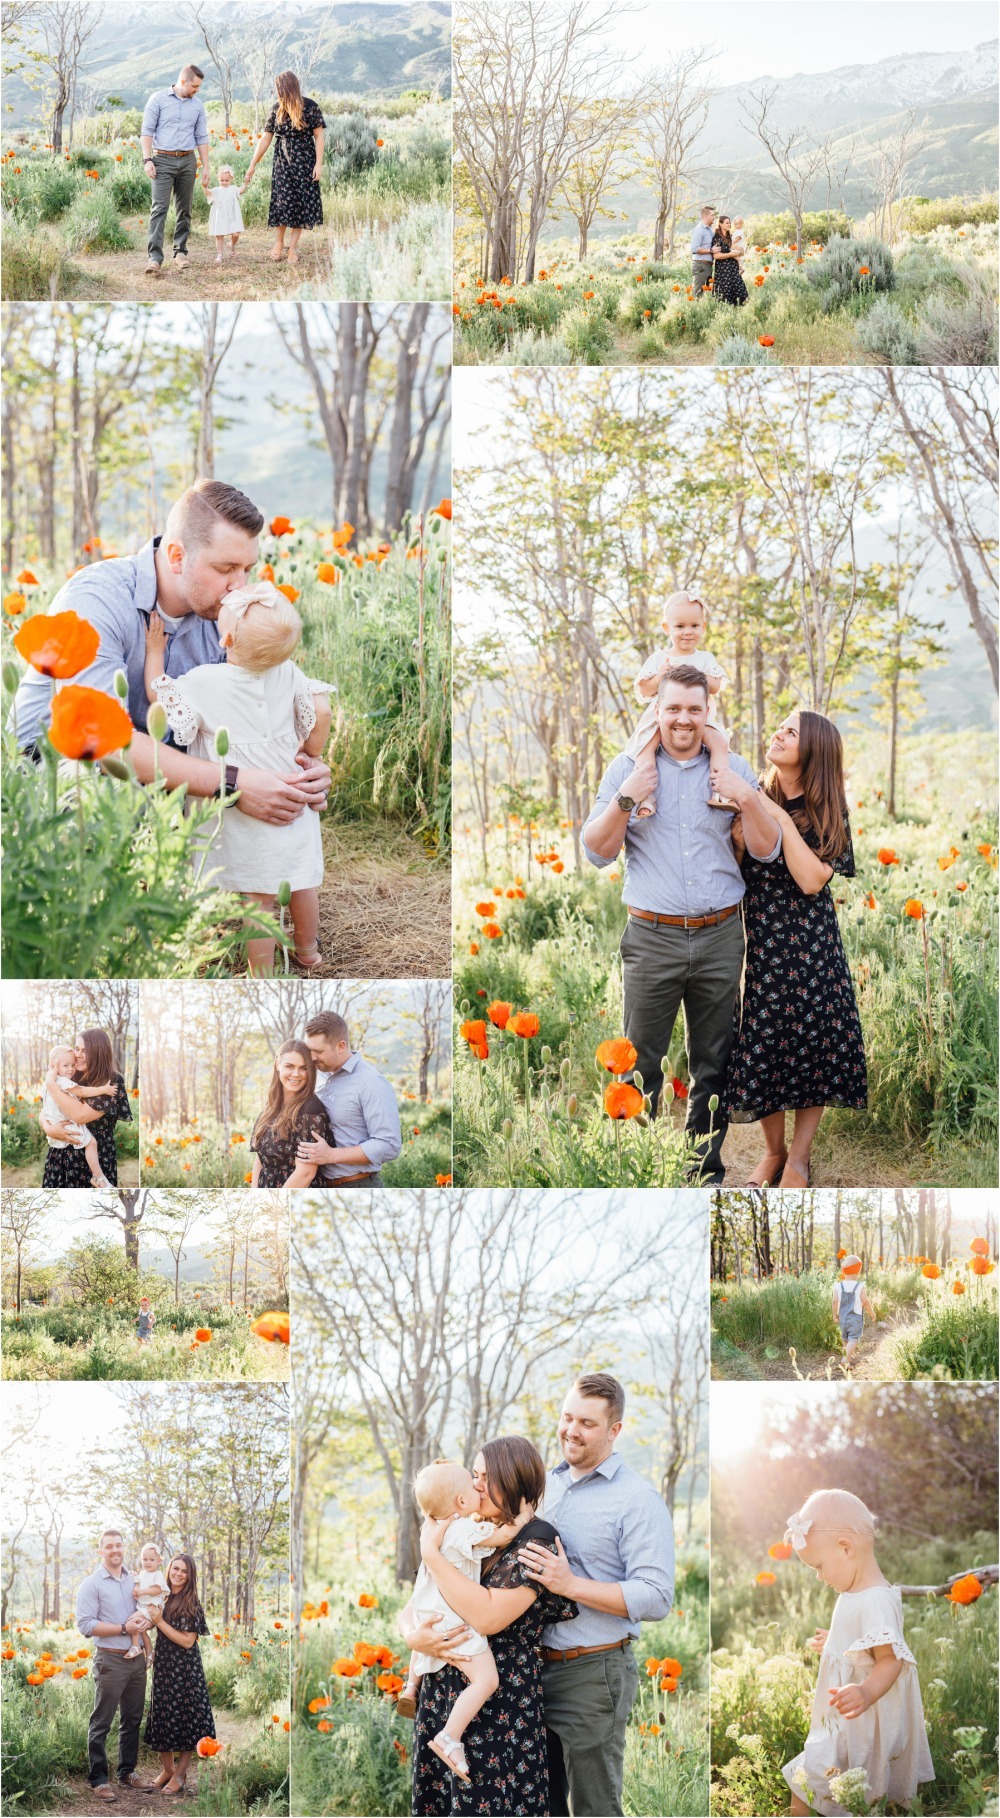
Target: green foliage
<point x="886" y="334"/>
<point x="921" y="215"/>
<point x="23" y="1142"/>
<point x="958" y="1336"/>
<point x="740" y="350"/>
<point x="839" y="277"/>
<point x="962" y="330"/>
<point x="351" y="147"/>
<point x="588" y="336"/>
<point x="33" y="266"/>
<point x="768" y="230"/>
<point x="53" y="191"/>
<point x="93" y="224"/>
<point x="96" y="1341"/>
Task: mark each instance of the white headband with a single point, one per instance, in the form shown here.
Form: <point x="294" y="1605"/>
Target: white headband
<point x="262" y="593"/>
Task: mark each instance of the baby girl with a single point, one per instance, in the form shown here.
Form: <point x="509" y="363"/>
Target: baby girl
<point x="867" y="1728"/>
<point x="225" y="215"/>
<point x="850" y="1304"/>
<point x="442" y="1490"/>
<point x="738" y="244"/>
<point x="51" y="1116"/>
<point x="684" y="622"/>
<point x="150" y="1591"/>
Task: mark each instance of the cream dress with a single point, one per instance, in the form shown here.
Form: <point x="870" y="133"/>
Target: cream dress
<point x="890" y="1740"/>
<point x="225" y="215"/>
<point x="699" y="659"/>
<point x="466" y="1544"/>
<point x="266" y="716"/>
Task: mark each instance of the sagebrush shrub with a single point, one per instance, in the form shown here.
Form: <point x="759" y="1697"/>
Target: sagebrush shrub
<point x="851" y="269"/>
<point x="886" y="334"/>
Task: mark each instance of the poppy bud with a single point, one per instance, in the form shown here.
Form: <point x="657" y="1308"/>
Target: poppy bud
<point x="637" y="1079"/>
<point x="647" y="1103"/>
<point x="508" y="1129"/>
<point x="434" y="527"/>
<point x="442" y="555"/>
<point x="668" y="1092"/>
<point x="113" y="766"/>
<point x="565" y="1068"/>
<point x="10" y="677"/>
<point x="665" y="1066"/>
<point x="156" y="721"/>
<point x="222" y="742"/>
<point x="546" y="1056"/>
<point x="713" y="1103"/>
<point x="284" y="893"/>
<point x="121" y="684"/>
<point x="465" y="1006"/>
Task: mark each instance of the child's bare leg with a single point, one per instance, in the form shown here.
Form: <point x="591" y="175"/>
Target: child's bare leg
<point x="797" y="1809"/>
<point x="483" y="1682"/>
<point x="97" y="1173"/>
<point x="260" y="951"/>
<point x="234" y="241"/>
<point x="648" y="804"/>
<point x="220" y="241"/>
<point x="717" y="746"/>
<point x="303" y="907"/>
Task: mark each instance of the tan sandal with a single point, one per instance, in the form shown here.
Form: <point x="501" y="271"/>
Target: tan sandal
<point x="406" y="1705"/>
<point x="452" y="1754"/>
<point x="768" y="1171"/>
<point x="310" y="959"/>
<point x="792" y="1178"/>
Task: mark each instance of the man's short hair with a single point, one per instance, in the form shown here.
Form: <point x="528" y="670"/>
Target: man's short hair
<point x="602" y="1387"/>
<point x="686" y="675"/>
<point x="708" y="205"/>
<point x="115" y="1531"/>
<point x="329" y="1023"/>
<point x="189" y="71"/>
<point x="194" y="516"/>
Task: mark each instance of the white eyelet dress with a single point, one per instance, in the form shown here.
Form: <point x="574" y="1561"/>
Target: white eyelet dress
<point x="266" y="716"/>
<point x="889" y="1741"/>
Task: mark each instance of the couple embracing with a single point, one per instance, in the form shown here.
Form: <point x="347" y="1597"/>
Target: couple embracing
<point x="727" y="879"/>
<point x="530" y="1595"/>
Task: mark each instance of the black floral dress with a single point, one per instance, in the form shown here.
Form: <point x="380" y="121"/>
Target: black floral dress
<point x="68" y="1167"/>
<point x="798" y="1038"/>
<point x="180" y="1711"/>
<point x="505" y="1745"/>
<point x="278" y="1154"/>
<point x="728" y="285"/>
<point x="295" y="195"/>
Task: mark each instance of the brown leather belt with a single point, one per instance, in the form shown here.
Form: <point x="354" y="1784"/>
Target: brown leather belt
<point x="159" y="152"/>
<point x="685" y="921"/>
<point x="606" y="1647"/>
<point x="349" y="1180"/>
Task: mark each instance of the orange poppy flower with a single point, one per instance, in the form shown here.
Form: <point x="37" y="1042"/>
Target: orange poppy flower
<point x="87" y="723"/>
<point x="27" y="579"/>
<point x="499" y="1013"/>
<point x="914" y="908"/>
<point x="668" y="1685"/>
<point x="886" y="856"/>
<point x="207" y="1747"/>
<point x="324" y="1725"/>
<point x="869" y="900"/>
<point x="274" y="1327"/>
<point x="473" y="1032"/>
<point x="780" y="1550"/>
<point x="473" y="948"/>
<point x="204" y="1337"/>
<point x="981" y="1265"/>
<point x="266" y="572"/>
<point x="671" y="1668"/>
<point x="961" y="886"/>
<point x="35" y="1679"/>
<point x="524" y="1023"/>
<point x="486" y="908"/>
<point x="390" y="1683"/>
<point x="931" y="1271"/>
<point x="492" y="931"/>
<point x="766" y="340"/>
<point x="958" y="1287"/>
<point x="365" y="1654"/>
<point x="442" y="509"/>
<point x="766" y="1578"/>
<point x="290" y="593"/>
<point x="622" y="1101"/>
<point x="318" y="1704"/>
<point x="342" y="537"/>
<point x="965" y="1590"/>
<point x="328" y="574"/>
<point x="979" y="1246"/>
<point x="14" y="603"/>
<point x="282" y="527"/>
<point x="863" y="271"/>
<point x="616" y="1056"/>
<point x="57" y="644"/>
<point x="442" y="1180"/>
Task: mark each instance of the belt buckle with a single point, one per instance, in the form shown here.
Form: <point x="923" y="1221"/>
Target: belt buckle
<point x="688" y="919"/>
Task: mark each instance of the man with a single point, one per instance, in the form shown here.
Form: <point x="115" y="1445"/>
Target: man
<point x="616" y="1560"/>
<point x="361" y="1105"/>
<point x="701" y="249"/>
<point x="209" y="546"/>
<point x="174" y="136"/>
<point x="683" y="943"/>
<point x="107" y="1616"/>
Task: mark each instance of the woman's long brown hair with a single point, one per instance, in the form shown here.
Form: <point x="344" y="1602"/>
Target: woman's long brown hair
<point x="182" y="1603"/>
<point x="515" y="1470"/>
<point x="99" y="1066"/>
<point x="290" y="103"/>
<point x="280" y="1115"/>
<point x="821" y="767"/>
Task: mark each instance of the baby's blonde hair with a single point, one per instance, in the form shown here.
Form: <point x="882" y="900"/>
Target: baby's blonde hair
<point x="674" y="599"/>
<point x="436" y="1487"/>
<point x="60" y="1048"/>
<point x="225" y="167"/>
<point x="150" y="1545"/>
<point x="840" y="1511"/>
<point x="265" y="636"/>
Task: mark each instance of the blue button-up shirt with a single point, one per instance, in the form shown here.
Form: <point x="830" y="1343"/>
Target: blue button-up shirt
<point x="175" y="122"/>
<point x="617" y="1530"/>
<point x="117" y="597"/>
<point x="362" y="1109"/>
<point x="680" y="860"/>
<point x="701" y="240"/>
<point x="104" y="1598"/>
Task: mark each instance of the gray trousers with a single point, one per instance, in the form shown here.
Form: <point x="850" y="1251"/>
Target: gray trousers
<point x="175" y="177"/>
<point x="119" y="1685"/>
<point x="696" y="970"/>
<point x="587" y="1705"/>
<point x="701" y="271"/>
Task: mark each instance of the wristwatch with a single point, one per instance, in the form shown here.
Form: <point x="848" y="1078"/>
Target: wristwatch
<point x="231" y="784"/>
<point x="626" y="803"/>
<point x="123" y="1629"/>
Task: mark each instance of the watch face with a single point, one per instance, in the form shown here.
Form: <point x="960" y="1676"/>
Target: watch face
<point x="626" y="802"/>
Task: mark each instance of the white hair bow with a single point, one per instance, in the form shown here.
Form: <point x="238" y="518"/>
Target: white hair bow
<point x="260" y="593"/>
<point x="796" y="1529"/>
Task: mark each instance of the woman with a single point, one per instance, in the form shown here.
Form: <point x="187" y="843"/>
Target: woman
<point x="94" y="1066"/>
<point x="293" y="1115"/>
<point x="727" y="283"/>
<point x="505" y="1744"/>
<point x="180" y="1711"/>
<point x="798" y="1044"/>
<point x="298" y="125"/>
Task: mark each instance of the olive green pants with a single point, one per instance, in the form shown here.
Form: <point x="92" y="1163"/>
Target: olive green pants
<point x="587" y="1705"/>
<point x="174" y="180"/>
<point x="119" y="1685"/>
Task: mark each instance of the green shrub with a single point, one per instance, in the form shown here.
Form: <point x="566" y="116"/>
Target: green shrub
<point x="34" y="266"/>
<point x="740" y="350"/>
<point x="588" y="337"/>
<point x="651" y="295"/>
<point x="351" y="147"/>
<point x="886" y="334"/>
<point x="960" y="330"/>
<point x="54" y="190"/>
<point x="649" y="345"/>
<point x="838" y="275"/>
<point x="130" y="188"/>
<point x="765" y="230"/>
<point x="921" y="215"/>
<point x="687" y="319"/>
<point x="93" y="224"/>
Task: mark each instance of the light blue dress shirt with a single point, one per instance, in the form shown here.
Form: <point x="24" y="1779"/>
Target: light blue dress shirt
<point x="175" y="122"/>
<point x="680" y="860"/>
<point x="616" y="1529"/>
<point x="701" y="241"/>
<point x="363" y="1112"/>
<point x="117" y="597"/>
<point x="104" y="1598"/>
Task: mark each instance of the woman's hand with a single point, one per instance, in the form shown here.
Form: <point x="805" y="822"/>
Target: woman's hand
<point x="317" y="170"/>
<point x="431" y="1535"/>
<point x="426" y="1638"/>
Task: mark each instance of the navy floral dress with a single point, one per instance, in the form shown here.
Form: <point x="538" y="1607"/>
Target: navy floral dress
<point x="797" y="1038"/>
<point x="68" y="1167"/>
<point x="505" y="1745"/>
<point x="728" y="283"/>
<point x="296" y="200"/>
<point x="180" y="1710"/>
<point x="278" y="1155"/>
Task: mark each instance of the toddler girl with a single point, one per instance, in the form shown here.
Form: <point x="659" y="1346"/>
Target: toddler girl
<point x="684" y="622"/>
<point x="850" y="1304"/>
<point x="441" y="1490"/>
<point x="867" y="1726"/>
<point x="225" y="215"/>
<point x="145" y="1322"/>
<point x="49" y="1116"/>
<point x="150" y="1592"/>
<point x="270" y="711"/>
<point x="739" y="245"/>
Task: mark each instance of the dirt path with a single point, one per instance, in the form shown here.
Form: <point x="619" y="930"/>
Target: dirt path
<point x="874" y="1360"/>
<point x="81" y="1802"/>
<point x="31" y="1174"/>
<point x="247" y="275"/>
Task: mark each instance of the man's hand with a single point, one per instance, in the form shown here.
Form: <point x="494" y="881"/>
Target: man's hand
<point x="643" y="779"/>
<point x="264" y="796"/>
<point x="849" y="1700"/>
<point x="150" y="168"/>
<point x="318" y="1151"/>
<point x="136" y="1624"/>
<point x="552" y="1571"/>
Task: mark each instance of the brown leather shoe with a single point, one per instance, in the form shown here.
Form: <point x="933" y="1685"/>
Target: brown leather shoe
<point x="137" y="1785"/>
<point x="182" y="260"/>
<point x="105" y="1792"/>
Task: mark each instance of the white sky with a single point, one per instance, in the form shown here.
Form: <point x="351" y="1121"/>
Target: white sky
<point x="737" y="1411"/>
<point x="70" y="1219"/>
<point x="968" y="1207"/>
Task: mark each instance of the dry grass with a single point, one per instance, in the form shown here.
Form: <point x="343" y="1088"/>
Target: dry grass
<point x="31" y="1174"/>
<point x="385" y="907"/>
<point x="836" y="1162"/>
<point x="249" y="274"/>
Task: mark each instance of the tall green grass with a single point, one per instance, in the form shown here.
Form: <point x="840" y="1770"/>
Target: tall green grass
<point x="79" y="1344"/>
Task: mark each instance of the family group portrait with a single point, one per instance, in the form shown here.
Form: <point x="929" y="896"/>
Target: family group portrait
<point x="725" y="883"/>
<point x="854" y="1598"/>
<point x="226" y="640"/>
<point x="499" y="1503"/>
<point x="144" y="1283"/>
<point x="217" y="152"/>
<point x="268" y="1084"/>
<point x="69" y="1065"/>
<point x="735" y="186"/>
<point x="145" y="1599"/>
<point x="877" y="1284"/>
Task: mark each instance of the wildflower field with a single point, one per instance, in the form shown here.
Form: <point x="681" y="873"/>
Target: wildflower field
<point x="100" y="876"/>
<point x="842" y="298"/>
<point x="75" y="222"/>
<point x="351" y="1752"/>
<point x="199" y="1338"/>
<point x="48" y="1694"/>
<point x="24" y="1146"/>
<point x="178" y="1155"/>
<point x="763" y="1676"/>
<point x="538" y="993"/>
